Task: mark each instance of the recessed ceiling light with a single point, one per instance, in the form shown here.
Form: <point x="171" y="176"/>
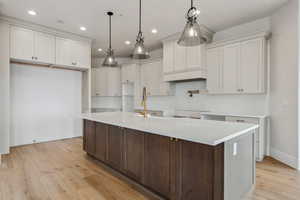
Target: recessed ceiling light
<point x="99" y="49"/>
<point x="31" y="12"/>
<point x="127" y="42"/>
<point x="82" y="28"/>
<point x="154" y="31"/>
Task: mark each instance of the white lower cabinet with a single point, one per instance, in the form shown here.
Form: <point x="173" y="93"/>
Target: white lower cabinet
<point x="260" y="134"/>
<point x="237" y="68"/>
<point x="106" y="82"/>
<point x="151" y="77"/>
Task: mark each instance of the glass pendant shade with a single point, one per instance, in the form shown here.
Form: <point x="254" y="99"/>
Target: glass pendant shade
<point x="140" y="51"/>
<point x="110" y="60"/>
<point x="191" y="35"/>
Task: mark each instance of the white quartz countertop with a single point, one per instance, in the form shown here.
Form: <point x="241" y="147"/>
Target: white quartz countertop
<point x="201" y="131"/>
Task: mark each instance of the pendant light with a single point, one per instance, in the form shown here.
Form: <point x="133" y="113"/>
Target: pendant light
<point x="192" y="35"/>
<point x="110" y="60"/>
<point x="140" y="51"/>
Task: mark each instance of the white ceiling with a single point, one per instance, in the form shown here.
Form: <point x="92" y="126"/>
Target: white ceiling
<point x="165" y="15"/>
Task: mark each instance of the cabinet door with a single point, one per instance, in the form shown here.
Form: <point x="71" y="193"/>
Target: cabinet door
<point x="179" y="58"/>
<point x="115" y="147"/>
<point x="146" y="76"/>
<point x="195" y="57"/>
<point x="158" y="164"/>
<point x="80" y="54"/>
<point x="44" y="47"/>
<point x="113" y="82"/>
<point x="134" y="154"/>
<point x="101" y="141"/>
<point x="21" y="43"/>
<point x="214" y="70"/>
<point x="200" y="171"/>
<point x="168" y="56"/>
<point x="128" y="73"/>
<point x="99" y="82"/>
<point x="231" y="63"/>
<point x="63" y="49"/>
<point x="90" y="135"/>
<point x="252" y="66"/>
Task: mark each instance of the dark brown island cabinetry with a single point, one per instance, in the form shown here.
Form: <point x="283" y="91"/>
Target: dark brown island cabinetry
<point x="101" y="141"/>
<point x="134" y="154"/>
<point x="115" y="147"/>
<point x="172" y="168"/>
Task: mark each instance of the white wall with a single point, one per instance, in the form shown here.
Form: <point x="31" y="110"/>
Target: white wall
<point x="284" y="84"/>
<point x="45" y="104"/>
<point x="4" y="88"/>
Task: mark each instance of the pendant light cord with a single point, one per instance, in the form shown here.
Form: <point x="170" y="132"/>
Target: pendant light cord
<point x="109" y="31"/>
<point x="140" y="15"/>
<point x="192" y="3"/>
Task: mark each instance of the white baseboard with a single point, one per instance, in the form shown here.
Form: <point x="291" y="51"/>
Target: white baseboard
<point x="285" y="158"/>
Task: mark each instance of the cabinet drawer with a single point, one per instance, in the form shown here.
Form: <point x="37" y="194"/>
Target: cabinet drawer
<point x="248" y="120"/>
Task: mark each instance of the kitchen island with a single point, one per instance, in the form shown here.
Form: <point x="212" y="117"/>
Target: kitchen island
<point x="178" y="159"/>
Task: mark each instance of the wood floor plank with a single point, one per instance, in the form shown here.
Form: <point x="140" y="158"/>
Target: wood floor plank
<point x="60" y="170"/>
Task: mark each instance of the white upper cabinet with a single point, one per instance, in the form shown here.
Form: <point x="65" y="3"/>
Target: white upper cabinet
<point x="168" y="55"/>
<point x="214" y="61"/>
<point x="31" y="46"/>
<point x="231" y="63"/>
<point x="237" y="68"/>
<point x="180" y="61"/>
<point x="129" y="73"/>
<point x="80" y="54"/>
<point x="21" y="43"/>
<point x="106" y="82"/>
<point x="252" y="71"/>
<point x="114" y="82"/>
<point x="183" y="63"/>
<point x="73" y="53"/>
<point x="151" y="77"/>
<point x="195" y="57"/>
<point x="28" y="45"/>
<point x="63" y="52"/>
<point x="44" y="47"/>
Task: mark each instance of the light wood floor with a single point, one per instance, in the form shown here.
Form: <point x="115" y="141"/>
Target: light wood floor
<point x="60" y="170"/>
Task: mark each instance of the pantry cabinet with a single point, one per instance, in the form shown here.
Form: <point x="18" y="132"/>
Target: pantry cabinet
<point x="28" y="45"/>
<point x="183" y="63"/>
<point x="106" y="81"/>
<point x="151" y="77"/>
<point x="238" y="67"/>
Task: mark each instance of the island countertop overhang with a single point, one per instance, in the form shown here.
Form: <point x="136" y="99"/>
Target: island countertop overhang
<point x="207" y="132"/>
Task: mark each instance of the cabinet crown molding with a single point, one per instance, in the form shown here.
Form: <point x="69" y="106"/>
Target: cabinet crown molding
<point x="43" y="29"/>
<point x="266" y="34"/>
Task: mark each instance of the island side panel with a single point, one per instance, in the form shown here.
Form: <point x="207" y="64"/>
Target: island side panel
<point x="239" y="166"/>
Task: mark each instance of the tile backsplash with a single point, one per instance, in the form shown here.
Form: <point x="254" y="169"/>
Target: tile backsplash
<point x="253" y="104"/>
